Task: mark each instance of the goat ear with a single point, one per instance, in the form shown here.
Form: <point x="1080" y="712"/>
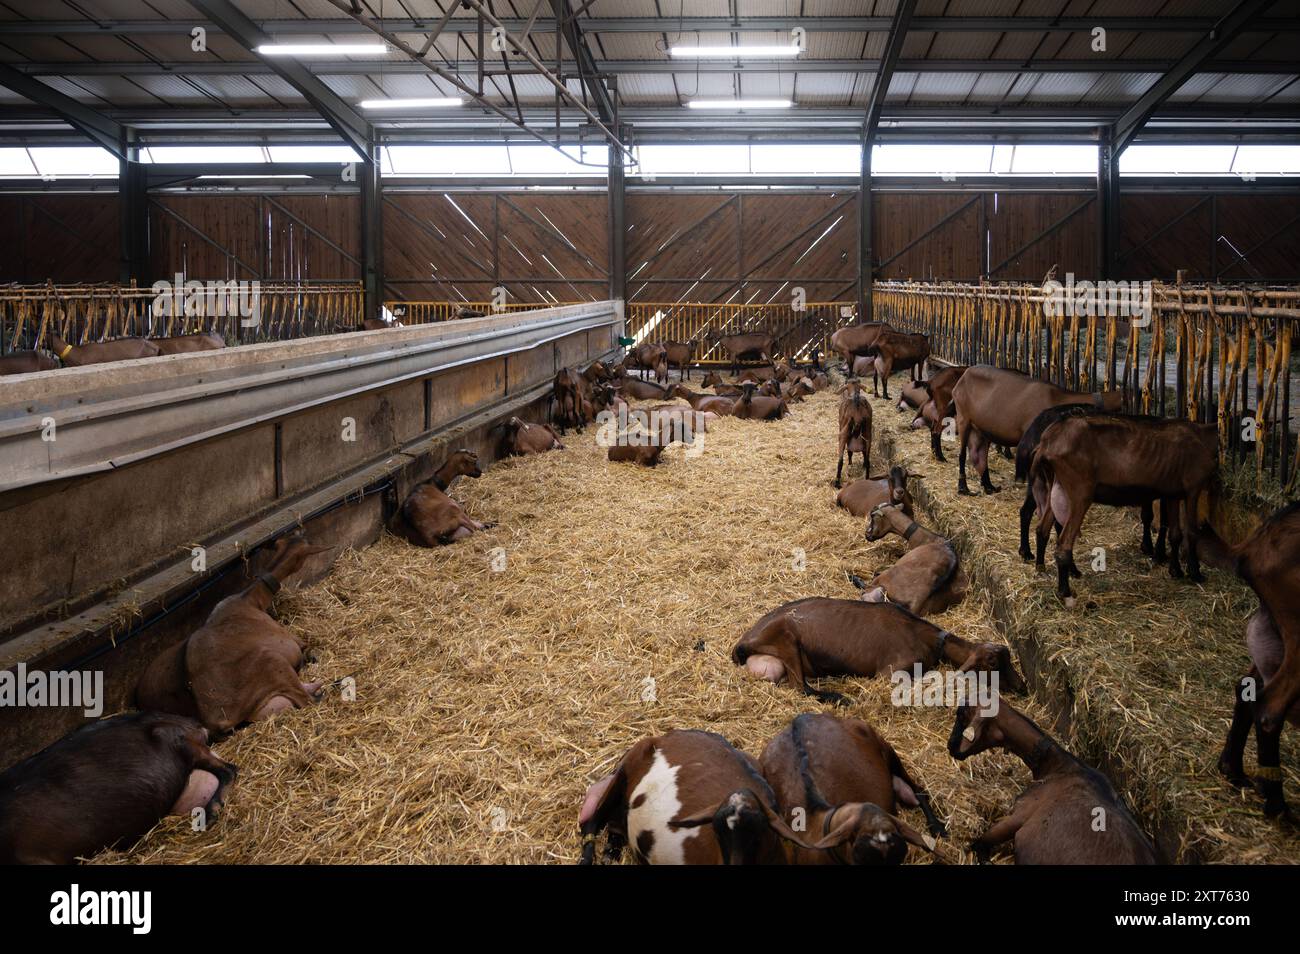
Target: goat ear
<point x="781" y="828"/>
<point x="925" y="842"/>
<point x="840" y="833"/>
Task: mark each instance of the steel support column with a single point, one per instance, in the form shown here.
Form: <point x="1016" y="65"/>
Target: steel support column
<point x="617" y="225"/>
<point x="133" y="217"/>
<point x="866" y="254"/>
<point x="372" y="232"/>
<point x="1108" y="211"/>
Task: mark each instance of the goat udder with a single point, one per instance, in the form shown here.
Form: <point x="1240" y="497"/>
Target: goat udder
<point x="765" y="667"/>
<point x="1060" y="505"/>
<point x="876" y="595"/>
<point x="594" y="794"/>
<point x="199" y="789"/>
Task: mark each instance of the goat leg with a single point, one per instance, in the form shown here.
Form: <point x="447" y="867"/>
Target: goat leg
<point x="1269" y="776"/>
<point x="1002" y="830"/>
<point x="963" y="438"/>
<point x="936" y="448"/>
<point x="1147" y="514"/>
<point x="1243" y="717"/>
<point x="1027" y="510"/>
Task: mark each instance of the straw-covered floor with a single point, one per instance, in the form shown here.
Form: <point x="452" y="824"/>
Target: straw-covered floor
<point x="487" y="701"/>
<point x="1144" y="665"/>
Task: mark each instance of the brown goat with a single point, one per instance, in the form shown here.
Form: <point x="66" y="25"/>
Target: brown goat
<point x="845" y="782"/>
<point x="996" y="406"/>
<point x="241" y="665"/>
<point x="430" y="518"/>
<point x="1069" y="815"/>
<point x="855" y="428"/>
<point x="678" y="354"/>
<point x="646" y="455"/>
<point x="705" y="402"/>
<point x="899" y="351"/>
<point x="720" y="386"/>
<point x="939" y="408"/>
<point x="820" y="636"/>
<point x="522" y="438"/>
<point x="26" y="362"/>
<point x="685" y="797"/>
<point x="1134" y="459"/>
<point x="758" y="407"/>
<point x="1036" y="491"/>
<point x="927" y="579"/>
<point x="853" y="341"/>
<point x="753" y="346"/>
<point x="862" y="496"/>
<point x="573" y="407"/>
<point x="797" y="390"/>
<point x="102" y="352"/>
<point x="183" y="344"/>
<point x="649" y="356"/>
<point x="639" y="390"/>
<point x="108" y="783"/>
<point x="1268" y="560"/>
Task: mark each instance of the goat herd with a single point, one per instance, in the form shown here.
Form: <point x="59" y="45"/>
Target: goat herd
<point x="828" y="790"/>
<point x="825" y="789"/>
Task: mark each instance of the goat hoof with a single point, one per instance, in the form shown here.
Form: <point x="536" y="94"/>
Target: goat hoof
<point x="1175" y="571"/>
<point x="1148" y="549"/>
<point x="964" y="490"/>
<point x="1234" y="774"/>
<point x="990" y="488"/>
<point x="1196" y="576"/>
<point x="1025" y="554"/>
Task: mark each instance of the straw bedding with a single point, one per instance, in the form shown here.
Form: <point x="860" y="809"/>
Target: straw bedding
<point x="1144" y="665"/>
<point x="486" y="702"/>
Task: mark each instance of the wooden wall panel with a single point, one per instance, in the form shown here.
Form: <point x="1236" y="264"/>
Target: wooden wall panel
<point x="951" y="250"/>
<point x="60" y="238"/>
<point x="1162" y="233"/>
<point x="1018" y="249"/>
<point x="1266" y="229"/>
<point x="725" y="246"/>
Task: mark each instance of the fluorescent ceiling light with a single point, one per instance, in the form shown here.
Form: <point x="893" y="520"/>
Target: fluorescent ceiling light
<point x="411" y="103"/>
<point x="740" y="104"/>
<point x="321" y="49"/>
<point x="726" y="52"/>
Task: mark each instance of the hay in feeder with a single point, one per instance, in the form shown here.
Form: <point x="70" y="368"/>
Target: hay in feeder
<point x="498" y="677"/>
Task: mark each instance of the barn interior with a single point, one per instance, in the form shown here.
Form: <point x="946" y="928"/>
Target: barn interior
<point x="404" y="220"/>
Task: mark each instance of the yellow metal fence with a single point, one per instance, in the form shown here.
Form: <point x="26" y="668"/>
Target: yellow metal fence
<point x="1200" y="352"/>
<point x="242" y="312"/>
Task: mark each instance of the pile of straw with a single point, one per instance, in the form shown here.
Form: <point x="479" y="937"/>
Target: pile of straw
<point x="486" y="702"/>
<point x="1143" y="666"/>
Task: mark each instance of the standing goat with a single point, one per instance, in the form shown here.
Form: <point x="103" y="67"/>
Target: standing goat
<point x="855" y="428"/>
<point x="1269" y="560"/>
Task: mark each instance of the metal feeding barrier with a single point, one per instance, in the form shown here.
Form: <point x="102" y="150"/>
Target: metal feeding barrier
<point x="798" y="330"/>
<point x="1199" y="352"/>
<point x="427" y="312"/>
<point x="242" y="312"/>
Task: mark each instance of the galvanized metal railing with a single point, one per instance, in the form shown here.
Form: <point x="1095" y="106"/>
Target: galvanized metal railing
<point x="242" y="312"/>
<point x="798" y="330"/>
<point x="426" y="312"/>
<point x="1203" y="352"/>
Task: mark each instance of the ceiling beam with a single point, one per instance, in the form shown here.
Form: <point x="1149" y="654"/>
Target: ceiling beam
<point x="107" y="132"/>
<point x="347" y="122"/>
<point x="588" y="70"/>
<point x="885" y="74"/>
<point x="618" y="67"/>
<point x="1196" y="60"/>
<point x="468" y="24"/>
